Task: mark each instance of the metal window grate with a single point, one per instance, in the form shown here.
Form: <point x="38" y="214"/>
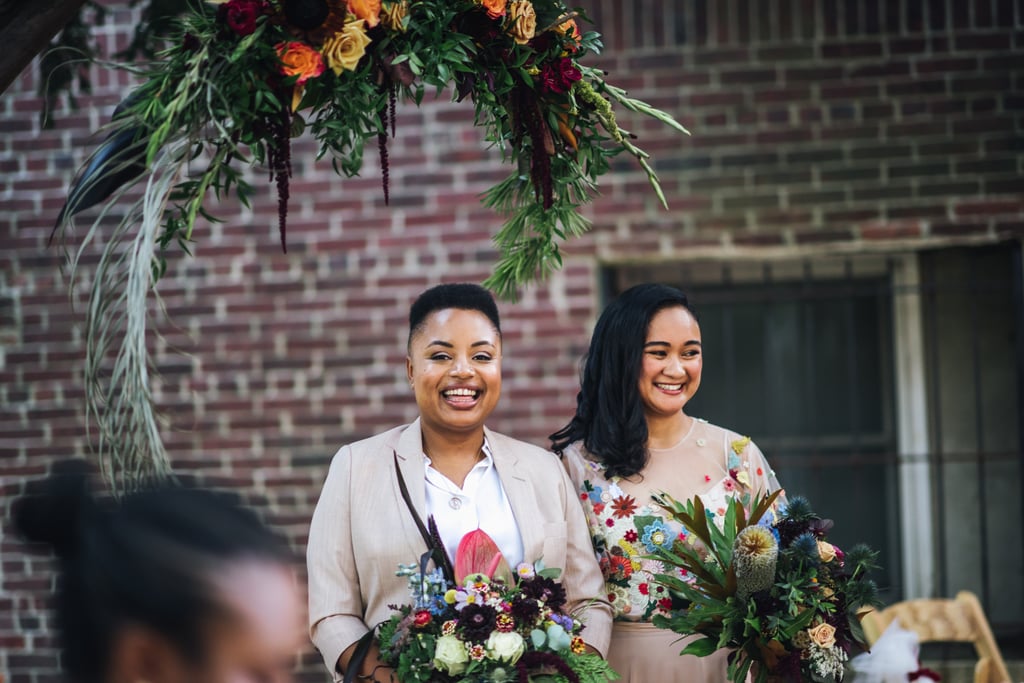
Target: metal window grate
<point x="803" y="355"/>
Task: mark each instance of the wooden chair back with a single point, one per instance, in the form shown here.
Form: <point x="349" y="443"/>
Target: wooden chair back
<point x="960" y="620"/>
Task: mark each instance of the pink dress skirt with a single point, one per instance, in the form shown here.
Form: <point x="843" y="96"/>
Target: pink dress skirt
<point x="642" y="653"/>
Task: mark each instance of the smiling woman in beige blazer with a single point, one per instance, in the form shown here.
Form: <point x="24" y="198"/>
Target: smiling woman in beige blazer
<point x="455" y="470"/>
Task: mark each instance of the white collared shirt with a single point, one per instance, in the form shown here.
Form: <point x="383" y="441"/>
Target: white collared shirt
<point x="481" y="503"/>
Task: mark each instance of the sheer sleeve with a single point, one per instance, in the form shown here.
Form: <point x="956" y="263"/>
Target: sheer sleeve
<point x="762" y="476"/>
<point x="579" y="471"/>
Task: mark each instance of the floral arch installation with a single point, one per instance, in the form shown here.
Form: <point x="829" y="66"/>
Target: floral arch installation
<point x="241" y="78"/>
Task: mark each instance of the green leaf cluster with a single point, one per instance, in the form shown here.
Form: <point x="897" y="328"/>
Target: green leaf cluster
<point x="223" y="94"/>
<point x="762" y="628"/>
<point x="214" y="104"/>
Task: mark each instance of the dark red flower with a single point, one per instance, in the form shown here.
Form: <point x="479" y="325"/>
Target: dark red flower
<point x="240" y="15"/>
<point x="525" y="610"/>
<point x="558" y="76"/>
<point x="477" y="622"/>
<point x="546" y="590"/>
<point x="421" y="619"/>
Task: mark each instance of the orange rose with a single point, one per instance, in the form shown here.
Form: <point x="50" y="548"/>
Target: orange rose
<point x="299" y="59"/>
<point x="570" y="28"/>
<point x="495" y="8"/>
<point x="367" y="10"/>
<point x="522" y="21"/>
<point x="823" y="635"/>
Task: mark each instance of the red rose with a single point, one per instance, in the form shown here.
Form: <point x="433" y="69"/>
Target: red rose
<point x="559" y="75"/>
<point x="665" y="604"/>
<point x="240" y="15"/>
<point x="421" y="619"/>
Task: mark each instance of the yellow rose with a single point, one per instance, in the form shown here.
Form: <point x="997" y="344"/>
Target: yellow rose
<point x="826" y="552"/>
<point x="495" y="8"/>
<point x="367" y="10"/>
<point x="344" y="49"/>
<point x="823" y="635"/>
<point x="393" y="15"/>
<point x="522" y="21"/>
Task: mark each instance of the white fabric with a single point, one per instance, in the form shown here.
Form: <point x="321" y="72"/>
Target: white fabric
<point x="891" y="659"/>
<point x="481" y="503"/>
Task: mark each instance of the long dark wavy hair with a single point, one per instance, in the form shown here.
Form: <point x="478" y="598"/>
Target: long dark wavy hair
<point x="609" y="415"/>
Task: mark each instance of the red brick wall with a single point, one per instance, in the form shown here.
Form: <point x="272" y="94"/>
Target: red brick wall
<point x="817" y="127"/>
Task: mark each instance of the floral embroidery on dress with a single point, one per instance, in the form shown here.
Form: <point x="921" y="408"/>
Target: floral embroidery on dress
<point x="626" y="531"/>
<point x="623" y="507"/>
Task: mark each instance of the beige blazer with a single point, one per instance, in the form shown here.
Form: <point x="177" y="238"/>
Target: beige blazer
<point x="362" y="530"/>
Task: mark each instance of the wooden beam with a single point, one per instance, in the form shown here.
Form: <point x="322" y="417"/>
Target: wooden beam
<point x="26" y="27"/>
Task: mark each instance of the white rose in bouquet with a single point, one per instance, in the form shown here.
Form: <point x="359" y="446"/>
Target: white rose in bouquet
<point x="505" y="647"/>
<point x="450" y="655"/>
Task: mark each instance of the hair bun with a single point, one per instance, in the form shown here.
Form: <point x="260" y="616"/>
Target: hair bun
<point x="54" y="509"/>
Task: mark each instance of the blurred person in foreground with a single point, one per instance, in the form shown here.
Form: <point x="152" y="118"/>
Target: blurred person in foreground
<point x="632" y="437"/>
<point x="446" y="465"/>
<point x="168" y="584"/>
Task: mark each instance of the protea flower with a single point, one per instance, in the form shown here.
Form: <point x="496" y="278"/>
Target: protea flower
<point x="754" y="553"/>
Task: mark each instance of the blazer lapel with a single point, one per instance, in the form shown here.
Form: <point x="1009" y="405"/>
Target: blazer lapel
<point x="409" y="450"/>
<point x="516" y="481"/>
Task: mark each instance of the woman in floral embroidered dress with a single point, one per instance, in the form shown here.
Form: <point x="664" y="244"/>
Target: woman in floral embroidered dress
<point x="631" y="437"/>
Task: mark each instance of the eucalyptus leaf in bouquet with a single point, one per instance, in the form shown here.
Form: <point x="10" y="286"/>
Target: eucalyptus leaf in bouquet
<point x="775" y="592"/>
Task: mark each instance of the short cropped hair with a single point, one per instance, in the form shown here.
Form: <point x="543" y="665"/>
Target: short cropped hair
<point x="463" y="295"/>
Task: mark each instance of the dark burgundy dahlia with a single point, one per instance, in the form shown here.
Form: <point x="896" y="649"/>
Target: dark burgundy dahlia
<point x="546" y="590"/>
<point x="477" y="622"/>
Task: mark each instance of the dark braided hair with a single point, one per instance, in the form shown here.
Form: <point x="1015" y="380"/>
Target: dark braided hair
<point x="147" y="559"/>
<point x="609" y="417"/>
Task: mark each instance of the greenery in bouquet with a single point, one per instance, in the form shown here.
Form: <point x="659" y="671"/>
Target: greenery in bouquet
<point x="488" y="626"/>
<point x="777" y="593"/>
<point x="241" y="78"/>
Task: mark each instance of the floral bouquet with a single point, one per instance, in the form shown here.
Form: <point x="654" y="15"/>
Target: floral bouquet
<point x="242" y="78"/>
<point x="783" y="598"/>
<point x="492" y="625"/>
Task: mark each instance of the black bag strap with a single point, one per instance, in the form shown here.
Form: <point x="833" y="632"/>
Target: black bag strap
<point x="431" y="537"/>
<point x="355" y="663"/>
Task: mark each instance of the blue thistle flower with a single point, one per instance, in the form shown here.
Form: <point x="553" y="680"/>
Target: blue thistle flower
<point x="798" y="509"/>
<point x="805" y="548"/>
